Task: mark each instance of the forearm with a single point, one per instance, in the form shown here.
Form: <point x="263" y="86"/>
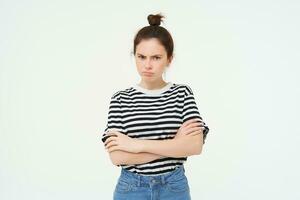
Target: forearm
<point x="123" y="157"/>
<point x="181" y="147"/>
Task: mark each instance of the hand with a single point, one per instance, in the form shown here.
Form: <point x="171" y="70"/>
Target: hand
<point x="190" y="127"/>
<point x="120" y="141"/>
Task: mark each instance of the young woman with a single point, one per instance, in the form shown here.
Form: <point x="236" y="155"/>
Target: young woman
<point x="154" y="125"/>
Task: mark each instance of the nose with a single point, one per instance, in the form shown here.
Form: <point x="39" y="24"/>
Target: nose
<point x="148" y="64"/>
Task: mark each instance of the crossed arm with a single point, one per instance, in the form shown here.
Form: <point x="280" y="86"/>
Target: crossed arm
<point x="144" y="151"/>
<point x="120" y="157"/>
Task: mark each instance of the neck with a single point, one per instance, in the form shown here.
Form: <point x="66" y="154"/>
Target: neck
<point x="152" y="85"/>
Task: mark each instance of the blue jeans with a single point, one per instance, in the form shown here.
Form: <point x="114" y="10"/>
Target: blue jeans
<point x="169" y="186"/>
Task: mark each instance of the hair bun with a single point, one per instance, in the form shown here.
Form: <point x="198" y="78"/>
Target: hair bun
<point x="154" y="20"/>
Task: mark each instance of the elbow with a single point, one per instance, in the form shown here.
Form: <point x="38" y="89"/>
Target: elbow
<point x="115" y="162"/>
<point x="115" y="158"/>
<point x="192" y="145"/>
<point x="197" y="145"/>
<point x="198" y="150"/>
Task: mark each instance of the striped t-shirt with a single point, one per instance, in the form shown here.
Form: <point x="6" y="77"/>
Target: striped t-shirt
<point x="153" y="115"/>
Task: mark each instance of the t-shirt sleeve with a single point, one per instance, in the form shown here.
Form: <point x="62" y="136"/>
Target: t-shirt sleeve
<point x="114" y="117"/>
<point x="190" y="110"/>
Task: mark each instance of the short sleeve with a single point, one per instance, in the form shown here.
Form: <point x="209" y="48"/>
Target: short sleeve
<point x="190" y="110"/>
<point x="114" y="117"/>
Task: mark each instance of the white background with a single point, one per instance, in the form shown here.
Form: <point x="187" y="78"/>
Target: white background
<point x="60" y="62"/>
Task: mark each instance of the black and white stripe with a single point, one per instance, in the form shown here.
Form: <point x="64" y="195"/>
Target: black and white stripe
<point x="156" y="117"/>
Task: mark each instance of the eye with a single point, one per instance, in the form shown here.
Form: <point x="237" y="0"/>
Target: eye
<point x="156" y="58"/>
<point x="142" y="57"/>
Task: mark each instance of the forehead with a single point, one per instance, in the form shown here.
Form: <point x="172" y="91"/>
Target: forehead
<point x="150" y="47"/>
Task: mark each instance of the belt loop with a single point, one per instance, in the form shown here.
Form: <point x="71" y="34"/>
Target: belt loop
<point x="139" y="181"/>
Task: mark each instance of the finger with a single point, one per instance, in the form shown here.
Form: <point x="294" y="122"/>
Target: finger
<point x="190" y="130"/>
<point x="118" y="134"/>
<point x="112" y="143"/>
<point x="195" y="124"/>
<point x="186" y="123"/>
<point x="200" y="121"/>
<point x="112" y="132"/>
<point x="193" y="129"/>
<point x="113" y="148"/>
<point x="109" y="139"/>
<point x="189" y="122"/>
<point x="196" y="133"/>
<point x="111" y="135"/>
<point x="197" y="121"/>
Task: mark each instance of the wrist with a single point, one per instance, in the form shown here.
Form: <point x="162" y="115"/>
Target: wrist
<point x="140" y="145"/>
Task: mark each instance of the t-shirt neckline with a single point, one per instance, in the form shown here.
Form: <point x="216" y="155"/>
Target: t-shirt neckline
<point x="155" y="91"/>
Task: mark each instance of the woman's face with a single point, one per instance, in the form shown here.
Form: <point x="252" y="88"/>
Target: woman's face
<point x="151" y="59"/>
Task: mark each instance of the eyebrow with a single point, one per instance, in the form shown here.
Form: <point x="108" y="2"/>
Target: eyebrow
<point x="151" y="56"/>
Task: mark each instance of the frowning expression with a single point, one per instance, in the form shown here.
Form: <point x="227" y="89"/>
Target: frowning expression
<point x="151" y="59"/>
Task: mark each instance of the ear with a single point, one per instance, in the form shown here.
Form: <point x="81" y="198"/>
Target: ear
<point x="170" y="60"/>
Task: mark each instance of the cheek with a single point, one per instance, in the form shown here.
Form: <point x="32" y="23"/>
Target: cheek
<point x="162" y="63"/>
<point x="138" y="64"/>
<point x="162" y="67"/>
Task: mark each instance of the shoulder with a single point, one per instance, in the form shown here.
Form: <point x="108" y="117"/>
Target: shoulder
<point x="121" y="92"/>
<point x="185" y="87"/>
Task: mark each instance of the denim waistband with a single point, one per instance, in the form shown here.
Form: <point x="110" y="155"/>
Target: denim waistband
<point x="140" y="179"/>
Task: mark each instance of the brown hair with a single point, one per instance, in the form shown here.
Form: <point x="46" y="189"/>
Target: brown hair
<point x="154" y="30"/>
